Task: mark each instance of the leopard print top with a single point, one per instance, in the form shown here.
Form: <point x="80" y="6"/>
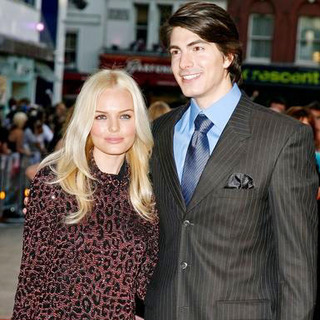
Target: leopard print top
<point x="91" y="270"/>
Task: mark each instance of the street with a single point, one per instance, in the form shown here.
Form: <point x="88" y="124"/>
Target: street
<point x="10" y="255"/>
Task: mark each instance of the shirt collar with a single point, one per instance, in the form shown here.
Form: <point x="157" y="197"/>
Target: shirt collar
<point x="220" y="111"/>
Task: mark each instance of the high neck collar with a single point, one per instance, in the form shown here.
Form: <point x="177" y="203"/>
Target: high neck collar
<point x="105" y="177"/>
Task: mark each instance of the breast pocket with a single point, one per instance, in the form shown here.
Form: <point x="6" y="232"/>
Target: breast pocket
<point x="237" y="193"/>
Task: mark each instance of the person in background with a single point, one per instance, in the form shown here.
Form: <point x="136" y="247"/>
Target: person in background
<point x="235" y="186"/>
<point x="4" y="150"/>
<point x="37" y="136"/>
<point x="56" y="122"/>
<point x="278" y="104"/>
<point x="54" y="145"/>
<point x="91" y="230"/>
<point x="314" y="108"/>
<point x="16" y="134"/>
<point x="302" y="114"/>
<point x="157" y="109"/>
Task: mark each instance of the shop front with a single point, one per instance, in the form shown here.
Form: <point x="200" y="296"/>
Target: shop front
<point x="297" y="85"/>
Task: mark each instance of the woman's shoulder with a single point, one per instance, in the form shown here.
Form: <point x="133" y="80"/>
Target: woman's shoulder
<point x="44" y="180"/>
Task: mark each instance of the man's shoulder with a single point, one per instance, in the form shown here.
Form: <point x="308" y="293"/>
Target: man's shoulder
<point x="268" y="116"/>
<point x="168" y="120"/>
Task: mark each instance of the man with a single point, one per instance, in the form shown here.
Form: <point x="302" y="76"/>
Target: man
<point x="278" y="104"/>
<point x="240" y="242"/>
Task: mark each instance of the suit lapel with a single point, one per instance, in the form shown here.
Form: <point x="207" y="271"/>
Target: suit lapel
<point x="227" y="152"/>
<point x="166" y="156"/>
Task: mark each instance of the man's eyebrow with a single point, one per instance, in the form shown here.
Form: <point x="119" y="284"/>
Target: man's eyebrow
<point x="200" y="41"/>
<point x="193" y="43"/>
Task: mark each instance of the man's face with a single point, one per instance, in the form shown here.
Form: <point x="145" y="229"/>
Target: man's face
<point x="316" y="117"/>
<point x="199" y="67"/>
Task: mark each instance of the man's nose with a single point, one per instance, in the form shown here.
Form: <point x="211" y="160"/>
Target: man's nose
<point x="186" y="60"/>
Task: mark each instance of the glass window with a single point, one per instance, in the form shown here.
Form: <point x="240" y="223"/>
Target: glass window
<point x="165" y="12"/>
<point x="29" y="2"/>
<point x="260" y="36"/>
<point x="308" y="39"/>
<point x="141" y="25"/>
<point x="70" y="55"/>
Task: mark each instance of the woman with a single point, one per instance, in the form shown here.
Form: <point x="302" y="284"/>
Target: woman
<point x="16" y="133"/>
<point x="37" y="136"/>
<point x="90" y="238"/>
<point x="157" y="109"/>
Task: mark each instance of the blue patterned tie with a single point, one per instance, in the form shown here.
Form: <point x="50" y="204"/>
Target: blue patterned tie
<point x="197" y="156"/>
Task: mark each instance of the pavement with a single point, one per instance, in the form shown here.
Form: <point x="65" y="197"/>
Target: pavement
<point x="10" y="256"/>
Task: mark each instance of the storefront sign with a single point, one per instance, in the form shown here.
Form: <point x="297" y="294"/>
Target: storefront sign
<point x="281" y="76"/>
<point x="152" y="71"/>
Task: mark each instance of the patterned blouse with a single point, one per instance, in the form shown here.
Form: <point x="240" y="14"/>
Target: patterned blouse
<point x="91" y="270"/>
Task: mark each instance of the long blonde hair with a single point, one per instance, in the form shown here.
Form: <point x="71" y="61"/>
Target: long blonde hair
<point x="71" y="162"/>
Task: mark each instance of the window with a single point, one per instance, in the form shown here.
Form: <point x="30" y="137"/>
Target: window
<point x="31" y="2"/>
<point x="260" y="37"/>
<point x="165" y="12"/>
<point x="141" y="26"/>
<point x="308" y="39"/>
<point x="70" y="56"/>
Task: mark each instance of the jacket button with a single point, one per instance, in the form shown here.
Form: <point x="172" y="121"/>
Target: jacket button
<point x="183" y="265"/>
<point x="186" y="223"/>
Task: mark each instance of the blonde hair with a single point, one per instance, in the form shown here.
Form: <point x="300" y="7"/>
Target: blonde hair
<point x="157" y="109"/>
<point x="19" y="119"/>
<point x="70" y="163"/>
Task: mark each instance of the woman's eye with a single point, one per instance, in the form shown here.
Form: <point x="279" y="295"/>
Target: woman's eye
<point x="126" y="116"/>
<point x="101" y="117"/>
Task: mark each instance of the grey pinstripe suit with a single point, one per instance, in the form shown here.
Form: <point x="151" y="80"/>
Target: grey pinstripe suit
<point x="238" y="253"/>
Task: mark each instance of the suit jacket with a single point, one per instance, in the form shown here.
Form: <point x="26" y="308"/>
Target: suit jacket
<point x="238" y="251"/>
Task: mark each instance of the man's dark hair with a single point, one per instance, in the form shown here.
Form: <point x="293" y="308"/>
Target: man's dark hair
<point x="314" y="105"/>
<point x="211" y="23"/>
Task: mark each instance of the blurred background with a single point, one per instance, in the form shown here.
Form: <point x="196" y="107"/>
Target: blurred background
<point x="49" y="47"/>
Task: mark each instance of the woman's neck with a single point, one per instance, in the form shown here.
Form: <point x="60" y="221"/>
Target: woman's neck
<point x="108" y="163"/>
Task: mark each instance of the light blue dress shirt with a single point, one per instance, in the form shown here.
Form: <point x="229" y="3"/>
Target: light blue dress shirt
<point x="219" y="113"/>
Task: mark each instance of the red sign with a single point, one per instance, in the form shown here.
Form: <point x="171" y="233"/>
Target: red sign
<point x="147" y="71"/>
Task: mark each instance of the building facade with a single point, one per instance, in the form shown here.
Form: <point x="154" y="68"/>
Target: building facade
<point x="109" y="33"/>
<point x="25" y="58"/>
<point x="281" y="41"/>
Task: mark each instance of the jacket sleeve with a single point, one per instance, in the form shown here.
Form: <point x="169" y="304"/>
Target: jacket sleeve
<point x="149" y="260"/>
<point x="35" y="251"/>
<point x="293" y="205"/>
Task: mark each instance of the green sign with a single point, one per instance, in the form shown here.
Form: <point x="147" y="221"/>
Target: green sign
<point x="286" y="76"/>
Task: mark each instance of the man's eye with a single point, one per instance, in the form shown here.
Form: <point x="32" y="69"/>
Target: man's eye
<point x="197" y="48"/>
<point x="174" y="52"/>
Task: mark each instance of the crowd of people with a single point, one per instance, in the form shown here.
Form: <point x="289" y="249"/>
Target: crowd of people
<point x="31" y="130"/>
<point x="308" y="114"/>
<point x="28" y="133"/>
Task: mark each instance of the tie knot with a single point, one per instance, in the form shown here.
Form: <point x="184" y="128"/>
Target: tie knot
<point x="202" y="123"/>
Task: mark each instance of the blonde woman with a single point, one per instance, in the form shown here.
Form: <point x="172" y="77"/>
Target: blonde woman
<point x="157" y="109"/>
<point x="91" y="233"/>
<point x="16" y="133"/>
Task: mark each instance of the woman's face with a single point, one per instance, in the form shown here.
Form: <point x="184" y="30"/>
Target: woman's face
<point x="113" y="131"/>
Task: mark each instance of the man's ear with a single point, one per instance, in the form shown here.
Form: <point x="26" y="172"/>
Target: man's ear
<point x="227" y="60"/>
